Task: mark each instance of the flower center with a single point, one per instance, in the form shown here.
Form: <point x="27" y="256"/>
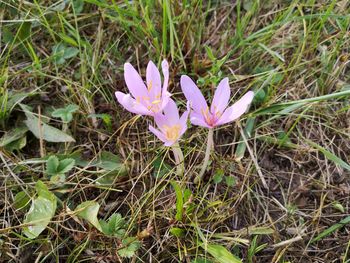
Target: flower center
<point x="151" y="105"/>
<point x="209" y="117"/>
<point x="172" y="132"/>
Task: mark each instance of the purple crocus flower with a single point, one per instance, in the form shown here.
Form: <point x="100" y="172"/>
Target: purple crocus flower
<point x="219" y="113"/>
<point x="171" y="126"/>
<point x="149" y="99"/>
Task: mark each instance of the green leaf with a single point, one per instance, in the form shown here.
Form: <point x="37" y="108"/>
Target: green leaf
<point x="218" y="176"/>
<point x="17" y="145"/>
<point x="43" y="191"/>
<point x="179" y="200"/>
<point x="45" y="131"/>
<point x="331" y="229"/>
<point x="61" y="52"/>
<point x="24" y="31"/>
<point x="106" y="118"/>
<point x="65" y="114"/>
<point x="230" y="181"/>
<point x="70" y="52"/>
<point x="16" y="98"/>
<point x="178" y="232"/>
<point x="13" y="135"/>
<point x="52" y="165"/>
<point x="329" y="155"/>
<point x="210" y="54"/>
<point x="115" y="226"/>
<point x="339" y="207"/>
<point x="110" y="162"/>
<point x="78" y="6"/>
<point x="160" y="168"/>
<point x="221" y="254"/>
<point x="21" y="200"/>
<point x="131" y="246"/>
<point x="41" y="211"/>
<point x="65" y="165"/>
<point x="89" y="210"/>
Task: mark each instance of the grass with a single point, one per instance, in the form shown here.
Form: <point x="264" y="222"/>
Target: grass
<point x="277" y="187"/>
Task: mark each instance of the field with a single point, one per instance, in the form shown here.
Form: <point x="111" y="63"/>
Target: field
<point x="84" y="180"/>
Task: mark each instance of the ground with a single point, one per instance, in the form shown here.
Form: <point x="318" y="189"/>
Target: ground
<point x="278" y="183"/>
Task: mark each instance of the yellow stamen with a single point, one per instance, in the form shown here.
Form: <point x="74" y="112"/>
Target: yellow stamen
<point x="205" y="113"/>
<point x="156" y="101"/>
<point x="172" y="132"/>
<point x="149" y="86"/>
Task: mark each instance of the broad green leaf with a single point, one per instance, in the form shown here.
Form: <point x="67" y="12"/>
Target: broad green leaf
<point x="43" y="130"/>
<point x="131" y="245"/>
<point x="39" y="216"/>
<point x="15" y="99"/>
<point x="17" y="145"/>
<point x="179" y="200"/>
<point x="61" y="52"/>
<point x="115" y="226"/>
<point x="13" y="135"/>
<point x="43" y="191"/>
<point x="52" y="165"/>
<point x="221" y="254"/>
<point x="89" y="210"/>
<point x="41" y="211"/>
<point x="65" y="114"/>
<point x="65" y="165"/>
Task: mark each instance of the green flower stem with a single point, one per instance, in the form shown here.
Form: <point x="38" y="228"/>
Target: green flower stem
<point x="210" y="144"/>
<point x="179" y="159"/>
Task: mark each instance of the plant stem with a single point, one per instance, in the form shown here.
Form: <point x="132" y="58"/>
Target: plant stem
<point x="179" y="159"/>
<point x="210" y="144"/>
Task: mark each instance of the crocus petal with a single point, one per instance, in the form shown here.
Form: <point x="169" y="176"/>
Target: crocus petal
<point x="193" y="94"/>
<point x="153" y="81"/>
<point x="198" y="120"/>
<point x="161" y="121"/>
<point x="157" y="133"/>
<point x="236" y="110"/>
<point x="131" y="104"/>
<point x="171" y="111"/>
<point x="134" y="81"/>
<point x="183" y="122"/>
<point x="165" y="99"/>
<point x="221" y="97"/>
<point x="165" y="69"/>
